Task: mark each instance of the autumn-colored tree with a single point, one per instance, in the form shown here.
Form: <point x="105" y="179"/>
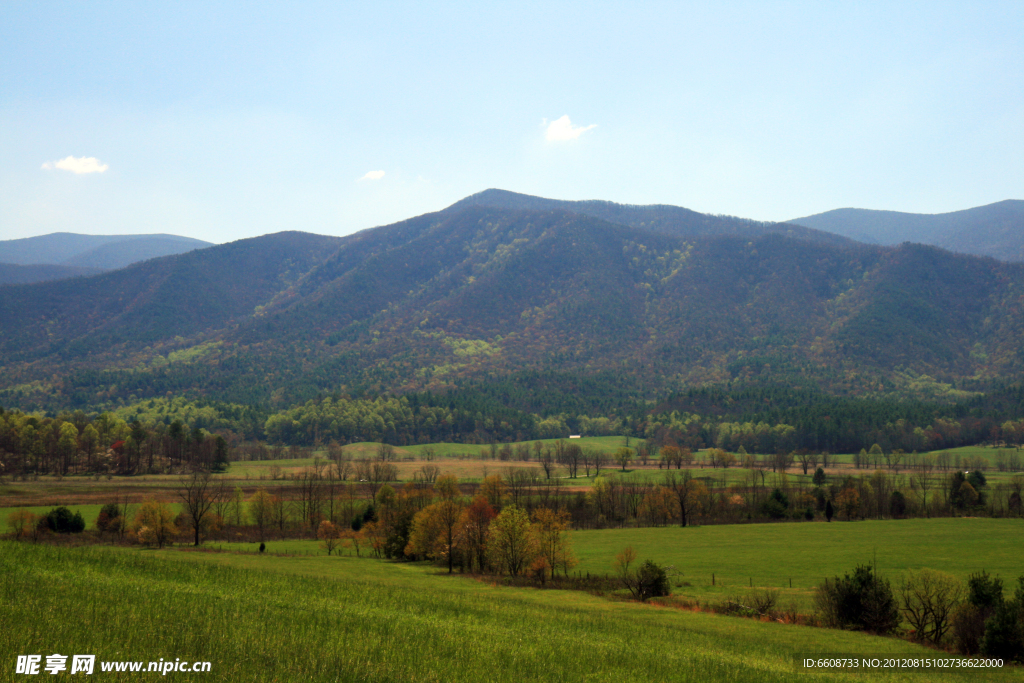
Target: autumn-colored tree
<point x="848" y="502"/>
<point x="434" y="531"/>
<point x="261" y="511"/>
<point x="21" y="523"/>
<point x="109" y="520"/>
<point x="510" y="543"/>
<point x="329" y="535"/>
<point x="154" y="523"/>
<point x="376" y="535"/>
<point x="659" y="506"/>
<point x="473" y="529"/>
<point x="447" y="486"/>
<point x="550" y="530"/>
<point x="353" y="539"/>
<point x="493" y="489"/>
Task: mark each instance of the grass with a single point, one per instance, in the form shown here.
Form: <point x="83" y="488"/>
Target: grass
<point x="770" y="555"/>
<point x="262" y="618"/>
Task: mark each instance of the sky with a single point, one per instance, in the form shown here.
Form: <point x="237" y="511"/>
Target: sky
<point x="222" y="121"/>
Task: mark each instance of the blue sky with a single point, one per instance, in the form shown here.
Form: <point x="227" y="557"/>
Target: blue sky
<point x="223" y="121"/>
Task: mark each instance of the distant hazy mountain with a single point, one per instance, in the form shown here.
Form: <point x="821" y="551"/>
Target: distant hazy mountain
<point x="477" y="292"/>
<point x="12" y="274"/>
<point x="995" y="230"/>
<point x="104" y="252"/>
<point x="664" y="218"/>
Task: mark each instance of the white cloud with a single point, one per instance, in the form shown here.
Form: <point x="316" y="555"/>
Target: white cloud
<point x="373" y="175"/>
<point x="562" y="129"/>
<point x="77" y="165"/>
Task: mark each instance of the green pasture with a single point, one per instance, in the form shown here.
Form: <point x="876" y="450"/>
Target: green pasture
<point x="770" y="555"/>
<point x="89" y="512"/>
<point x="266" y="618"/>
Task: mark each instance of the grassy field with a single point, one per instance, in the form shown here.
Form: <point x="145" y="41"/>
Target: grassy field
<point x="265" y="618"/>
<point x="770" y="555"/>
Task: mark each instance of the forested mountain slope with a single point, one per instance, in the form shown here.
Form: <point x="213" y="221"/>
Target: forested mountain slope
<point x="996" y="230"/>
<point x="13" y="274"/>
<point x="479" y="293"/>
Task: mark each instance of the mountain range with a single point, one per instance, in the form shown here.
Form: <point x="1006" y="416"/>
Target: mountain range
<point x="63" y="254"/>
<point x="502" y="285"/>
<point x="996" y="230"/>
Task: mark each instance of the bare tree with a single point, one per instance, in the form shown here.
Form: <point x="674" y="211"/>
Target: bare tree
<point x="684" y="488"/>
<point x="197" y="495"/>
<point x="385" y="452"/>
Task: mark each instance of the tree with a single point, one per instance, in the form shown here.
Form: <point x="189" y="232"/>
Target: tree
<point x="433" y="531"/>
<point x="473" y="530"/>
<point x="829" y="511"/>
<point x="197" y="497"/>
<point x="819" y="477"/>
<point x="510" y="542"/>
<point x="109" y="520"/>
<point x="623" y="457"/>
<point x="447" y="486"/>
<point x="776" y="504"/>
<point x="689" y="494"/>
<point x="22" y="523"/>
<point x="237" y="500"/>
<point x="220" y="455"/>
<point x="848" y="501"/>
<point x="861" y="601"/>
<point x="329" y="535"/>
<point x="649" y="580"/>
<point x="261" y="511"/>
<point x="928" y="600"/>
<point x="154" y="523"/>
<point x="493" y="489"/>
<point x="550" y="530"/>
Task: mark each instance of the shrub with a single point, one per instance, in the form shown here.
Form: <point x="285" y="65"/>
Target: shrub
<point x="62" y="521"/>
<point x="648" y="581"/>
<point x="861" y="601"/>
<point x="1003" y="637"/>
<point x="968" y="629"/>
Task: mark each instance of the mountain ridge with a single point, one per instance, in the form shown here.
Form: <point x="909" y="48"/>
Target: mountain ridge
<point x="103" y="252"/>
<point x="995" y="230"/>
<point x="476" y="292"/>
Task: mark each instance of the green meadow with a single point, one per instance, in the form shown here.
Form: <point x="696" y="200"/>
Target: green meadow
<point x="266" y="618"/>
<point x="773" y="555"/>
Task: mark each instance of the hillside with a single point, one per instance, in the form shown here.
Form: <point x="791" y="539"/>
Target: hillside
<point x="101" y="252"/>
<point x="13" y="274"/>
<point x="996" y="230"/>
<point x="477" y="294"/>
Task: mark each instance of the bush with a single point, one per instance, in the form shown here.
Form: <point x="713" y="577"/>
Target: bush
<point x="968" y="629"/>
<point x="862" y="601"/>
<point x="61" y="521"/>
<point x="648" y="581"/>
<point x="651" y="581"/>
<point x="1003" y="637"/>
